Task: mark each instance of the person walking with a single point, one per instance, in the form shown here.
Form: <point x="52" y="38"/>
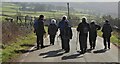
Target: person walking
<point x="93" y="34"/>
<point x="83" y="29"/>
<point x="39" y="30"/>
<point x="65" y="33"/>
<point x="52" y="30"/>
<point x="107" y="29"/>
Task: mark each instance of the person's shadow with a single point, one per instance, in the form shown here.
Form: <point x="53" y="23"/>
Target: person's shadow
<point x="52" y="53"/>
<point x="89" y="50"/>
<point x="100" y="51"/>
<point x="73" y="56"/>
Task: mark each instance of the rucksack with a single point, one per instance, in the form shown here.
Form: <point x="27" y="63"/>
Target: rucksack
<point x="52" y="29"/>
<point x="92" y="28"/>
<point x="85" y="29"/>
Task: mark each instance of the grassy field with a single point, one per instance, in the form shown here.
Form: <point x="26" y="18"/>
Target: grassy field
<point x="12" y="9"/>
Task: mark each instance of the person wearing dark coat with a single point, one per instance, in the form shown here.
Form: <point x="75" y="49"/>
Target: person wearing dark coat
<point x="107" y="29"/>
<point x="52" y="30"/>
<point x="39" y="30"/>
<point x="93" y="34"/>
<point x="83" y="28"/>
<point x="65" y="33"/>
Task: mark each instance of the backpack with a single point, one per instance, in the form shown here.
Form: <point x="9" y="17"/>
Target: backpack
<point x="92" y="28"/>
<point x="52" y="29"/>
<point x="85" y="29"/>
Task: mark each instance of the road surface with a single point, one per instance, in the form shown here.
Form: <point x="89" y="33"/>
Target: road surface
<point x="54" y="53"/>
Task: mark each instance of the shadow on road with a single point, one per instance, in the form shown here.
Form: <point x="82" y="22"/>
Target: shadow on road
<point x="52" y="53"/>
<point x="27" y="45"/>
<point x="35" y="49"/>
<point x="71" y="56"/>
<point x="25" y="51"/>
<point x="89" y="50"/>
<point x="21" y="51"/>
<point x="100" y="51"/>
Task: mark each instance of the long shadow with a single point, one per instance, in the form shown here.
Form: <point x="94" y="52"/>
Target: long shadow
<point x="52" y="53"/>
<point x="35" y="49"/>
<point x="71" y="56"/>
<point x="21" y="51"/>
<point x="100" y="51"/>
<point x="89" y="50"/>
<point x="25" y="51"/>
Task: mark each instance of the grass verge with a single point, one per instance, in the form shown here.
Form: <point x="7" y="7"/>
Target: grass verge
<point x="16" y="48"/>
<point x="114" y="38"/>
<point x="19" y="47"/>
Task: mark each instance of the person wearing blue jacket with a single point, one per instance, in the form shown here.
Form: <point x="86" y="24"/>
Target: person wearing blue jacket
<point x="65" y="33"/>
<point x="39" y="30"/>
<point x="35" y="24"/>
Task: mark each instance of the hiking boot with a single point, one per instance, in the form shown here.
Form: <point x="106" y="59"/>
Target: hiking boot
<point x="42" y="47"/>
<point x="108" y="47"/>
<point x="93" y="47"/>
<point x="105" y="48"/>
<point x="66" y="51"/>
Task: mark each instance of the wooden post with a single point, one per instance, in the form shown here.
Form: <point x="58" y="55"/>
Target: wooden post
<point x="68" y="11"/>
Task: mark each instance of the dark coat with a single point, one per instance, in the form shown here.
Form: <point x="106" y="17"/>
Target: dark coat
<point x="83" y="28"/>
<point x="52" y="29"/>
<point x="40" y="28"/>
<point x="67" y="33"/>
<point x="93" y="30"/>
<point x="107" y="29"/>
<point x="65" y="29"/>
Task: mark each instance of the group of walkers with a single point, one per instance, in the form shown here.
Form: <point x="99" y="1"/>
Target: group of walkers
<point x="66" y="33"/>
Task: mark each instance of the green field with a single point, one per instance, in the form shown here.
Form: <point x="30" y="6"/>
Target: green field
<point x="12" y="9"/>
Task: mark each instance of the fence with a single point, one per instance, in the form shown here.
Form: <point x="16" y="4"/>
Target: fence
<point x="13" y="28"/>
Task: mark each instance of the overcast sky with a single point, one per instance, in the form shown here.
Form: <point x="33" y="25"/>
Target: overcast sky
<point x="60" y="0"/>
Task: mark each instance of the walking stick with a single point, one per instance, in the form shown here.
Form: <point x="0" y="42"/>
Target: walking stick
<point x="77" y="40"/>
<point x="58" y="36"/>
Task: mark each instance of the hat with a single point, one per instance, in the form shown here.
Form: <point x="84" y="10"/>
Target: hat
<point x="84" y="19"/>
<point x="106" y="21"/>
<point x="64" y="16"/>
<point x="53" y="21"/>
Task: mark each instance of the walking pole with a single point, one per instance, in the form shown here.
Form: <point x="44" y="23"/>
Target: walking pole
<point x="58" y="36"/>
<point x="77" y="40"/>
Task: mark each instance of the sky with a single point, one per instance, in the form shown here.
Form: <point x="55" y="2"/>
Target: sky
<point x="60" y="0"/>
